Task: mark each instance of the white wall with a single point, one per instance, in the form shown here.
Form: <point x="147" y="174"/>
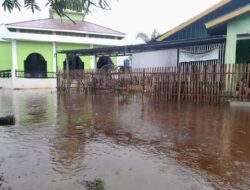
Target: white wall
<point x="22" y="83"/>
<point x="120" y="60"/>
<point x="162" y="58"/>
<point x="6" y="83"/>
<point x="7" y="35"/>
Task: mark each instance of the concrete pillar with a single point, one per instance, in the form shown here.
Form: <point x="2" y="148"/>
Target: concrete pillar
<point x="14" y="63"/>
<point x="14" y="58"/>
<point x="54" y="57"/>
<point x="92" y="59"/>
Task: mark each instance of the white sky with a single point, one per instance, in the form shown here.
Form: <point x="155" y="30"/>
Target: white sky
<point x="129" y="16"/>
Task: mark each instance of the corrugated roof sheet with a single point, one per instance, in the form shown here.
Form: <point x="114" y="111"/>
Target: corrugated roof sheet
<point x="195" y="28"/>
<point x="228" y="17"/>
<point x="65" y="25"/>
<point x="130" y="49"/>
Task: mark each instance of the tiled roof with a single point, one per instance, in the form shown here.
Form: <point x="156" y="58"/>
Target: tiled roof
<point x="65" y="25"/>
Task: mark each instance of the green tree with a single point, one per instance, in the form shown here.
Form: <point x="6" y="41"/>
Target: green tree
<point x="58" y="5"/>
<point x="146" y="38"/>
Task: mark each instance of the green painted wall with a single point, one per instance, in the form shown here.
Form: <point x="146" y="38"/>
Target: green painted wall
<point x="5" y="56"/>
<point x="114" y="60"/>
<point x="237" y="26"/>
<point x="24" y="48"/>
<point x="64" y="46"/>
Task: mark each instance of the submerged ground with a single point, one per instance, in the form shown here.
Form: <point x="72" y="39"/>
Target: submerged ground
<point x="60" y="141"/>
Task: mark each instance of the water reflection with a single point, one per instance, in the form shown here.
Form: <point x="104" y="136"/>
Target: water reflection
<point x="129" y="141"/>
<point x="67" y="146"/>
<point x="29" y="107"/>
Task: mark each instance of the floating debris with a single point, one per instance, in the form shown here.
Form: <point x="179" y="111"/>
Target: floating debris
<point x="79" y="127"/>
<point x="97" y="184"/>
<point x="7" y="120"/>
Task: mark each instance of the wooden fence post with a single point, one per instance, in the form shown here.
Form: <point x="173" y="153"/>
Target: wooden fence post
<point x="143" y="78"/>
<point x="58" y="81"/>
<point x="208" y="83"/>
<point x="67" y="72"/>
<point x="118" y="82"/>
<point x="179" y="84"/>
<point x="93" y="83"/>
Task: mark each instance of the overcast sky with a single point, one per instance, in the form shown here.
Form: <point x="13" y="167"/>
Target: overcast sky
<point x="129" y="16"/>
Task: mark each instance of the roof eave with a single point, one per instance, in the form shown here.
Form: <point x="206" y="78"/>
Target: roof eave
<point x="130" y="49"/>
<point x="192" y="20"/>
<point x="67" y="31"/>
<point x="228" y="17"/>
<point x="58" y="39"/>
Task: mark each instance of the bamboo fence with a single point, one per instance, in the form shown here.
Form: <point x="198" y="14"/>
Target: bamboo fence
<point x="198" y="82"/>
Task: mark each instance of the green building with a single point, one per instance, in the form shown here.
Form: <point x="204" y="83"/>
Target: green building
<point x="219" y="34"/>
<point x="237" y="24"/>
<point x="28" y="49"/>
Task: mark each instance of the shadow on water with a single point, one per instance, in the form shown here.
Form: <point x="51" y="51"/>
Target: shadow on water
<point x="129" y="141"/>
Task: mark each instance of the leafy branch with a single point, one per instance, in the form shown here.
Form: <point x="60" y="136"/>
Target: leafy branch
<point x="59" y="6"/>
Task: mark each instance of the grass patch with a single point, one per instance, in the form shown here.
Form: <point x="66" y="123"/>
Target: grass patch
<point x="97" y="184"/>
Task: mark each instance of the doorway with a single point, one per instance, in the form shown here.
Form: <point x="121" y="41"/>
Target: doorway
<point x="75" y="63"/>
<point x="104" y="61"/>
<point x="35" y="66"/>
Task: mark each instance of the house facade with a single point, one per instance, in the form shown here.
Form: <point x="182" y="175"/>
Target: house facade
<point x="28" y="49"/>
<point x="238" y="35"/>
<point x="228" y="19"/>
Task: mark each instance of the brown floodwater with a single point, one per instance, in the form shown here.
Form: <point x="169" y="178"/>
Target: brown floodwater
<point x="60" y="141"/>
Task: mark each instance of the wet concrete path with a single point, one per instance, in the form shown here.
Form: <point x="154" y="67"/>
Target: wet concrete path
<point x="58" y="142"/>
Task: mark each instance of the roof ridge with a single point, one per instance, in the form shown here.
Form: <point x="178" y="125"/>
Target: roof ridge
<point x="27" y="21"/>
<point x="65" y="21"/>
<point x="67" y="25"/>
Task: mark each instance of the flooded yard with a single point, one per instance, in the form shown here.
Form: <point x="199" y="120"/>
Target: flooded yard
<point x="60" y="141"/>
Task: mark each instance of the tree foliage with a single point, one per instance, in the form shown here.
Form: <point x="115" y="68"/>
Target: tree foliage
<point x="143" y="36"/>
<point x="155" y="34"/>
<point x="146" y="38"/>
<point x="58" y="5"/>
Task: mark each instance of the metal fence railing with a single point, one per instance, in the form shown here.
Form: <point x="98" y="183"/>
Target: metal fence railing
<point x="5" y="74"/>
<point x="37" y="75"/>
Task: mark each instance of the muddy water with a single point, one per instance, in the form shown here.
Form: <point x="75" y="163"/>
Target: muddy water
<point x="58" y="142"/>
